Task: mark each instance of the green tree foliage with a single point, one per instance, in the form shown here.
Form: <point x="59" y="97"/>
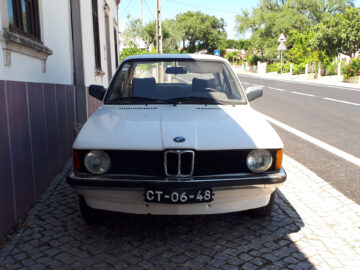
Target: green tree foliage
<point x="299" y="50"/>
<point x="276" y="67"/>
<point x="134" y="29"/>
<point x="170" y="32"/>
<point x="132" y="50"/>
<point x="235" y="44"/>
<point x="339" y="33"/>
<point x="171" y="35"/>
<point x="200" y="30"/>
<point x="149" y="34"/>
<point x="272" y="17"/>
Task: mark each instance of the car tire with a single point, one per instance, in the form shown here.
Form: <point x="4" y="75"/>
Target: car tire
<point x="89" y="214"/>
<point x="265" y="210"/>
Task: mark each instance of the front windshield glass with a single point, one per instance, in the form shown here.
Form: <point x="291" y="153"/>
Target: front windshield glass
<point x="185" y="81"/>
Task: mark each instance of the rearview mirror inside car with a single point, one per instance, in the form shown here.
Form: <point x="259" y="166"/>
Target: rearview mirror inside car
<point x="176" y="70"/>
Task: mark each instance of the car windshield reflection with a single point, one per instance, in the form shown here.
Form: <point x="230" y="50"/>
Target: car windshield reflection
<point x="174" y="82"/>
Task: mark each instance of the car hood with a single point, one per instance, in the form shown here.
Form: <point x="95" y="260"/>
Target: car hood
<point x="154" y="127"/>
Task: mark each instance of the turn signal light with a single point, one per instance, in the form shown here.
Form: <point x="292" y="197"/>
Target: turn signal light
<point x="76" y="161"/>
<point x="279" y="158"/>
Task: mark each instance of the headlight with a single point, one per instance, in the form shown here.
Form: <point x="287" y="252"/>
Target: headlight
<point x="259" y="161"/>
<point x="97" y="162"/>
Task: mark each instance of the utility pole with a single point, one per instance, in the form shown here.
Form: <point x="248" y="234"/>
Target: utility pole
<point x="142" y="18"/>
<point x="159" y="48"/>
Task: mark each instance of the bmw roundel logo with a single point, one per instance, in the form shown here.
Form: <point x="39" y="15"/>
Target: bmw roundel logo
<point x="179" y="139"/>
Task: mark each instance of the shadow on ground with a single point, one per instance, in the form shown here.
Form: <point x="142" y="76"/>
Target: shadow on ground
<point x="56" y="237"/>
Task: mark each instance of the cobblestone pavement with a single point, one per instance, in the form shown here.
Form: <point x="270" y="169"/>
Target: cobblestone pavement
<point x="313" y="227"/>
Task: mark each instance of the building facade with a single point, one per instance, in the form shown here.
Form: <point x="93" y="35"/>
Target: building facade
<point x="50" y="52"/>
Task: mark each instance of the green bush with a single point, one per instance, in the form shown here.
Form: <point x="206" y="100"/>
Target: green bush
<point x="253" y="59"/>
<point x="352" y="69"/>
<point x="330" y="69"/>
<point x="299" y="68"/>
<point x="276" y="67"/>
<point x="132" y="50"/>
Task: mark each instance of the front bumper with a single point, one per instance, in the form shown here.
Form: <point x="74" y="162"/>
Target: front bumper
<point x="212" y="181"/>
<point x="126" y="193"/>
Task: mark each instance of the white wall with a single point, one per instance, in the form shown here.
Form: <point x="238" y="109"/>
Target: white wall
<point x="88" y="40"/>
<point x="56" y="35"/>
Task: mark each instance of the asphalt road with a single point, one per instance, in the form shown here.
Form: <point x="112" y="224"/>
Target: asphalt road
<point x="329" y="114"/>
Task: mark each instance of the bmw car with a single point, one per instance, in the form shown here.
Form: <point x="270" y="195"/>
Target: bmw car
<point x="176" y="135"/>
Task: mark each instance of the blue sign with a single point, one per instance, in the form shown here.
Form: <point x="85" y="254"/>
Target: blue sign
<point x="217" y="52"/>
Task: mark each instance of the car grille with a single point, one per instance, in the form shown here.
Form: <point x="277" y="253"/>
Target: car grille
<point x="151" y="163"/>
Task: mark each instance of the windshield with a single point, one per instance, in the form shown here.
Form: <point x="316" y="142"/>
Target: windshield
<point x="184" y="81"/>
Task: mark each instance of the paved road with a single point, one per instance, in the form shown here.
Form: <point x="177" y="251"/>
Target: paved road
<point x="330" y="114"/>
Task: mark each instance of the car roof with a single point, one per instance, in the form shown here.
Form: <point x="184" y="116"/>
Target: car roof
<point x="176" y="56"/>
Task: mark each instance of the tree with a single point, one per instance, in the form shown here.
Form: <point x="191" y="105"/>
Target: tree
<point x="339" y="33"/>
<point x="133" y="30"/>
<point x="132" y="50"/>
<point x="147" y="32"/>
<point x="171" y="36"/>
<point x="241" y="44"/>
<point x="299" y="49"/>
<point x="200" y="30"/>
<point x="272" y="17"/>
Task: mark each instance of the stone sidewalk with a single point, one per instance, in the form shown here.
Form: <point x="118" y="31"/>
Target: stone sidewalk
<point x="313" y="227"/>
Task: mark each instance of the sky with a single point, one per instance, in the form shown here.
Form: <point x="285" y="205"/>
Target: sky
<point x="226" y="9"/>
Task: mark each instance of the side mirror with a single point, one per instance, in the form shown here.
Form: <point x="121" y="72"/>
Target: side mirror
<point x="254" y="92"/>
<point x="97" y="91"/>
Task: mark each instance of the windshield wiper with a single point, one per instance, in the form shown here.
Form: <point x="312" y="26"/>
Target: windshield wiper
<point x="144" y="99"/>
<point x="194" y="98"/>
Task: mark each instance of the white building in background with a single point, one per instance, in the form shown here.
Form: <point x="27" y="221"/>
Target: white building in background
<point x="125" y="43"/>
<point x="50" y="52"/>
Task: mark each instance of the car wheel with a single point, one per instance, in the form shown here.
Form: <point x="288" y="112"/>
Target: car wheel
<point x="89" y="214"/>
<point x="265" y="210"/>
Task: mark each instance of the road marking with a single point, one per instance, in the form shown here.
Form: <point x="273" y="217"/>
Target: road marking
<point x="278" y="89"/>
<point x="257" y="85"/>
<point x="342" y="101"/>
<point x="307" y="83"/>
<point x="302" y="94"/>
<point x="317" y="142"/>
<point x="309" y="95"/>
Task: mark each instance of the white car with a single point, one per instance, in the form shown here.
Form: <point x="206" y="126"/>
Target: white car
<point x="176" y="136"/>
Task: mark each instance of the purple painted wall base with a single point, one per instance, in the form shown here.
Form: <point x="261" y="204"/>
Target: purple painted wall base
<point x="37" y="124"/>
<point x="93" y="103"/>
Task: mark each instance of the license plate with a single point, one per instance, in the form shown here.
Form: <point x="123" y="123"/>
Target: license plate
<point x="179" y="196"/>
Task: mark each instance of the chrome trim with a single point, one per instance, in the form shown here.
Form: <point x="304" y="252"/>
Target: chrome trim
<point x="275" y="178"/>
<point x="179" y="154"/>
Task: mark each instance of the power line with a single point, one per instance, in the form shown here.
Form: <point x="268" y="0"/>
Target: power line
<point x="125" y="9"/>
<point x="191" y="5"/>
<point x="148" y="8"/>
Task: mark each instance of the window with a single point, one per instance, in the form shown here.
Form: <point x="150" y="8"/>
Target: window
<point x="167" y="81"/>
<point x="116" y="48"/>
<point x="24" y="17"/>
<point x="95" y="16"/>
